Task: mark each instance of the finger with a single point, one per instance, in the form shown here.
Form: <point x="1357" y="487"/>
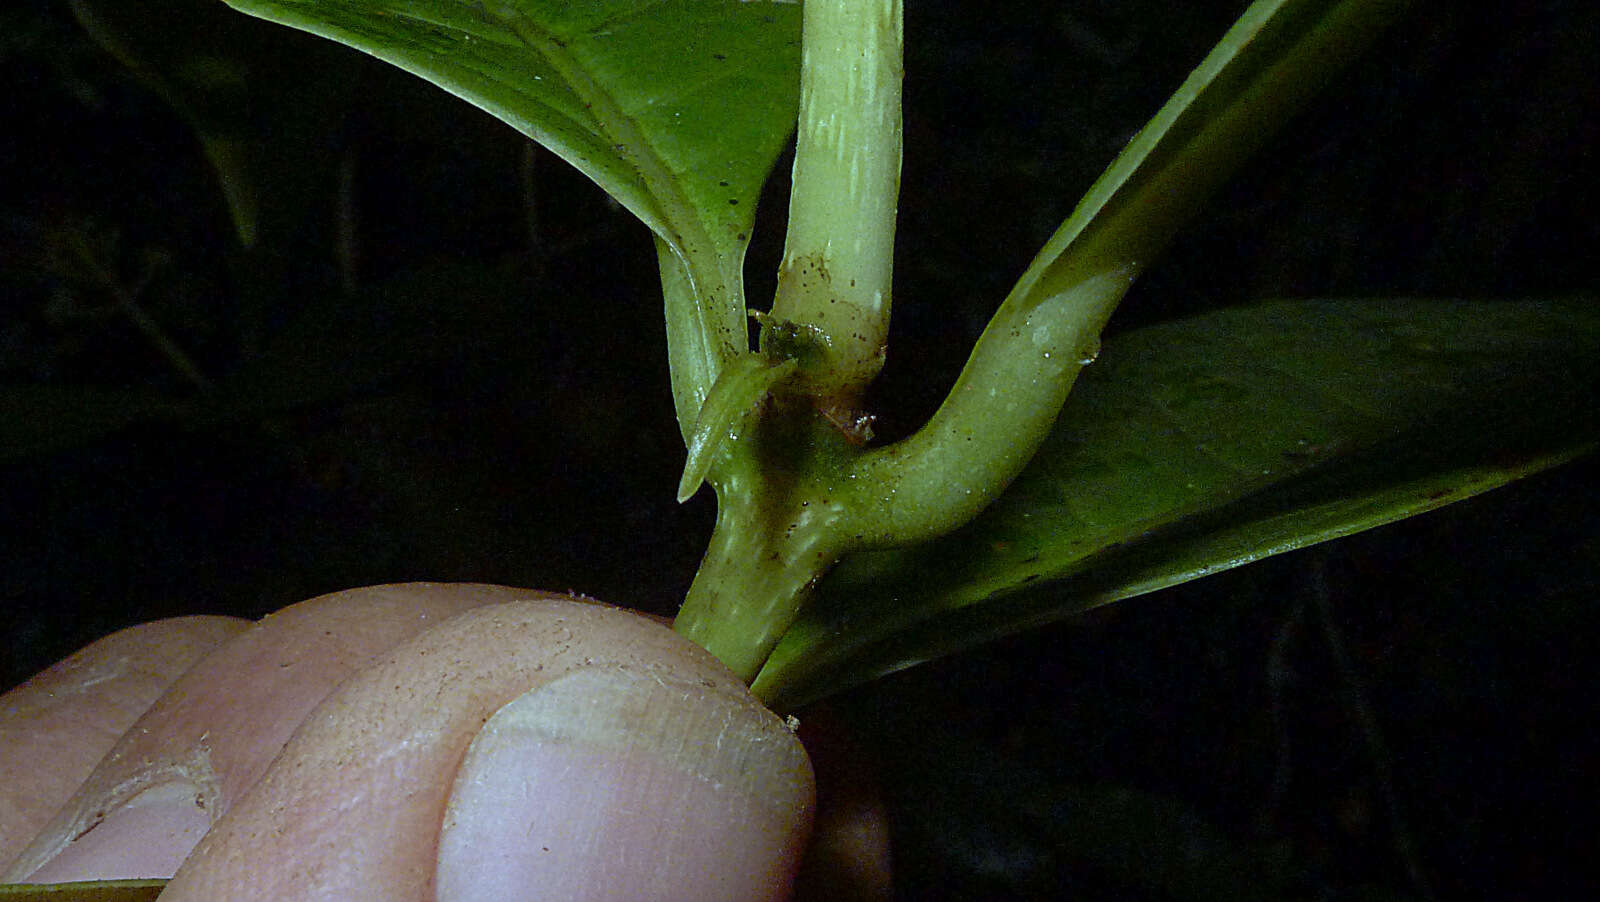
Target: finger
<point x="211" y="736"/>
<point x="547" y="749"/>
<point x="57" y="725"/>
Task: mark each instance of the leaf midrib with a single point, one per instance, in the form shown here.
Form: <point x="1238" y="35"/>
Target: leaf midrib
<point x="674" y="213"/>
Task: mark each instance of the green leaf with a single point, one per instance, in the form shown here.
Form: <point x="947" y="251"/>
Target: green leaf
<point x="1048" y="328"/>
<point x="1199" y="445"/>
<point x="1271" y="62"/>
<point x="87" y="891"/>
<point x="677" y="108"/>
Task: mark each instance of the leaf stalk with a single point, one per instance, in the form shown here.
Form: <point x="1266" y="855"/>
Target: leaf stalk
<point x="834" y="279"/>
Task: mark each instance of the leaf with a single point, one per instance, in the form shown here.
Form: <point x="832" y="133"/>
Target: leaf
<point x="1277" y="56"/>
<point x="1202" y="444"/>
<point x="87" y="891"/>
<point x="1048" y="328"/>
<point x="677" y="108"/>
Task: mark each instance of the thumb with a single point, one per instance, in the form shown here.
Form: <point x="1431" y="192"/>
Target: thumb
<point x="615" y="784"/>
<point x="540" y="749"/>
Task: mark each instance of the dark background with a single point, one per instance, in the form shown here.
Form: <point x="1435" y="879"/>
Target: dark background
<point x="1401" y="714"/>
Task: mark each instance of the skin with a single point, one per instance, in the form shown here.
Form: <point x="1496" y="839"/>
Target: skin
<point x="408" y="742"/>
<point x="70" y="715"/>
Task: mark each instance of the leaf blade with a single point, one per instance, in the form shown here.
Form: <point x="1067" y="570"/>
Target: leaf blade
<point x="1153" y="476"/>
<point x="677" y="108"/>
<point x="1259" y="75"/>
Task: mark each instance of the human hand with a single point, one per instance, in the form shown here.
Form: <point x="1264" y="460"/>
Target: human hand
<point x="407" y="742"/>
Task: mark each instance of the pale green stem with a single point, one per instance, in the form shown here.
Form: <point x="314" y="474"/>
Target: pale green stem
<point x="834" y="280"/>
<point x="705" y="332"/>
<point x="779" y="513"/>
<point x="990" y="424"/>
<point x="755" y="590"/>
<point x="777" y="468"/>
<point x="1018" y="376"/>
<point x="820" y="501"/>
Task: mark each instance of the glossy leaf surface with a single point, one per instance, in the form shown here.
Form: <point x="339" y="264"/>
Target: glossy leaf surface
<point x="678" y="109"/>
<point x="1273" y="60"/>
<point x="675" y="108"/>
<point x="1202" y="444"/>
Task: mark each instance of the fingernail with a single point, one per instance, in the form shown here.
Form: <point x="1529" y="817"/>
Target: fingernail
<point x="614" y="784"/>
<point x="147" y="837"/>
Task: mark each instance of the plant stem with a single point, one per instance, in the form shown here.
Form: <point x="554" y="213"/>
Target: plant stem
<point x="782" y="523"/>
<point x="704" y="332"/>
<point x="831" y="310"/>
<point x="834" y="281"/>
<point x="779" y="469"/>
<point x="1366" y="721"/>
<point x="989" y="426"/>
<point x="1018" y="376"/>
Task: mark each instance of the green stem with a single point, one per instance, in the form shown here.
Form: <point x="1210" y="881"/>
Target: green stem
<point x="1018" y="376"/>
<point x="779" y="469"/>
<point x="785" y="521"/>
<point x="989" y="426"/>
<point x="706" y="329"/>
<point x="781" y="524"/>
<point x="834" y="281"/>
